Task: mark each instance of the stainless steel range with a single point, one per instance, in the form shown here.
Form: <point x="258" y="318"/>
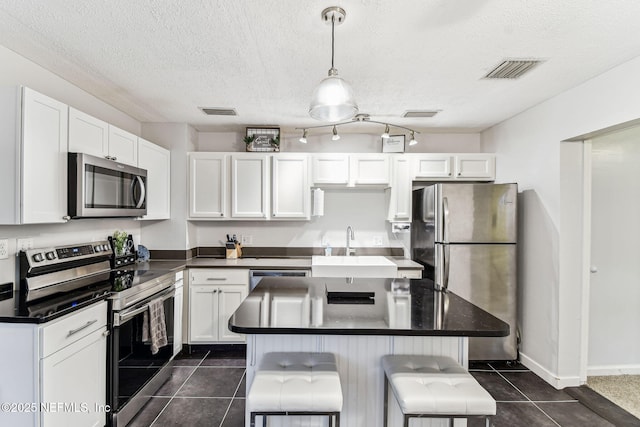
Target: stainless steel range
<point x="136" y="373"/>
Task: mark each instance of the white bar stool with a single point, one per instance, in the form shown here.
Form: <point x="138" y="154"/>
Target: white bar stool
<point x="434" y="387"/>
<point x="296" y="384"/>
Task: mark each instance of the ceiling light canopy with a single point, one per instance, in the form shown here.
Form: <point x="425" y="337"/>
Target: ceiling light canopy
<point x="333" y="98"/>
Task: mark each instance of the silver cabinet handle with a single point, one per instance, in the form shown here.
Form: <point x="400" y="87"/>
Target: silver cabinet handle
<point x="66" y="217"/>
<point x="216" y="278"/>
<point x="215" y="291"/>
<point x="86" y="325"/>
<point x="114" y="158"/>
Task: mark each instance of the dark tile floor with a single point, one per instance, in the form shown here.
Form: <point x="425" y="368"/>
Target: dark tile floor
<point x="191" y="398"/>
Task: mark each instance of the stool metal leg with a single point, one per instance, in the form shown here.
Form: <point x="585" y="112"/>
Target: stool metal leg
<point x="338" y="419"/>
<point x="264" y="420"/>
<point x="253" y="419"/>
<point x="451" y="421"/>
<point x="406" y="421"/>
<point x="330" y="420"/>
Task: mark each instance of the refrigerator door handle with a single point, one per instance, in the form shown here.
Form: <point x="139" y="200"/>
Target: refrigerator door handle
<point x="445" y="257"/>
<point x="445" y="220"/>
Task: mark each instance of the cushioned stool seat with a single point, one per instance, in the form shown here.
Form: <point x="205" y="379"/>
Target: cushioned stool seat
<point x="296" y="384"/>
<point x="434" y="386"/>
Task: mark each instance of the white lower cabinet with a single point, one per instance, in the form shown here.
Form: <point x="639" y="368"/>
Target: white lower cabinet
<point x="214" y="294"/>
<point x="56" y="372"/>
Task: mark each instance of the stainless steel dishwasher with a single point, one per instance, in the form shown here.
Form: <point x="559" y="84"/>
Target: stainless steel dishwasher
<point x="256" y="275"/>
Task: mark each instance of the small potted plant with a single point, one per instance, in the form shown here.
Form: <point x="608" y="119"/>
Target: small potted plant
<point x="248" y="140"/>
<point x="275" y="142"/>
<point x="120" y="242"/>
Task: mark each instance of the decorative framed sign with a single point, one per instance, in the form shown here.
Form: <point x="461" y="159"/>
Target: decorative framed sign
<point x="262" y="139"/>
<point x="393" y="144"/>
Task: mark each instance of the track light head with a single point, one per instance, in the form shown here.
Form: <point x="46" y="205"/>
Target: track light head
<point x="335" y="136"/>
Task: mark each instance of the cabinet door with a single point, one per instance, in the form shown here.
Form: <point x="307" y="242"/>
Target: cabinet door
<point x="203" y="314"/>
<point x="476" y="166"/>
<point x="249" y="186"/>
<point x="123" y="146"/>
<point x="369" y="169"/>
<point x="88" y="134"/>
<point x="290" y="191"/>
<point x="44" y="159"/>
<point x="76" y="375"/>
<point x="207" y="185"/>
<point x="433" y="166"/>
<point x="229" y="299"/>
<point x="157" y="161"/>
<point x="400" y="191"/>
<point x="330" y="169"/>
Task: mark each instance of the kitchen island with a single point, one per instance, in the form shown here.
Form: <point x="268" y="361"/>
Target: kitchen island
<point x="359" y="320"/>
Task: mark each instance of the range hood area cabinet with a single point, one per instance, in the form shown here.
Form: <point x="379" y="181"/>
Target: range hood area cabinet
<point x="251" y="186"/>
<point x="93" y="136"/>
<point x="33" y="157"/>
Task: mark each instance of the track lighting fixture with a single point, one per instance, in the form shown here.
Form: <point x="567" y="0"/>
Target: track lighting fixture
<point x="303" y="139"/>
<point x="412" y="141"/>
<point x="359" y="119"/>
<point x="385" y="134"/>
<point x="335" y="136"/>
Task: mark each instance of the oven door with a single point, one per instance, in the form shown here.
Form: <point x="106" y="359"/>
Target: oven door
<point x="135" y="373"/>
<point x="104" y="188"/>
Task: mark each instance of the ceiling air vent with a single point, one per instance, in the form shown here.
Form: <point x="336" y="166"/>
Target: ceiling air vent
<point x="209" y="111"/>
<point x="420" y="113"/>
<point x="511" y="69"/>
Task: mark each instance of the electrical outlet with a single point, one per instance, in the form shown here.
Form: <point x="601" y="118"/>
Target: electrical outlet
<point x="377" y="241"/>
<point x="4" y="248"/>
<point x="247" y="239"/>
<point x="24" y="244"/>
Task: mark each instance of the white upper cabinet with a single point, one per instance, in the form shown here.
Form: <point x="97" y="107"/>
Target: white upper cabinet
<point x="123" y="146"/>
<point x="330" y="169"/>
<point x="445" y="166"/>
<point x="369" y="169"/>
<point x="291" y="193"/>
<point x="98" y="138"/>
<point x="87" y="134"/>
<point x="249" y="185"/>
<point x="208" y="185"/>
<point x="157" y="161"/>
<point x="33" y="157"/>
<point x="476" y="166"/>
<point x="433" y="166"/>
<point x="400" y="190"/>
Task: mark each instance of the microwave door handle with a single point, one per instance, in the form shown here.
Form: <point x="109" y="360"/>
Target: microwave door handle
<point x="143" y="192"/>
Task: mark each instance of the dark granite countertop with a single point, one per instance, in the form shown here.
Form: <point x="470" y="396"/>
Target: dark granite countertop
<point x="288" y="305"/>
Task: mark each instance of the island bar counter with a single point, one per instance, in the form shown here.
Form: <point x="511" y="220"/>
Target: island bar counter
<point x="359" y="320"/>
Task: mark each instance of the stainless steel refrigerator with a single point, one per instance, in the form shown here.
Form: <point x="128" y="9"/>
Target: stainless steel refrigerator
<point x="465" y="237"/>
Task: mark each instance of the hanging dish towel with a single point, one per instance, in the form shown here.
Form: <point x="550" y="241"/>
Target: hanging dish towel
<point x="154" y="328"/>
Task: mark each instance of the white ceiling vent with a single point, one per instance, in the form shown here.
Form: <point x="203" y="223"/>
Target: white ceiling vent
<point x="512" y="69"/>
<point x="420" y="113"/>
<point x="210" y="111"/>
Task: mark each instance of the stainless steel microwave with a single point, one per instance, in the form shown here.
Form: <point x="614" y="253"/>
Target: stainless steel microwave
<point x="102" y="188"/>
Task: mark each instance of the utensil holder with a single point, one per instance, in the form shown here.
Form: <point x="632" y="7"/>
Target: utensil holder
<point x="234" y="250"/>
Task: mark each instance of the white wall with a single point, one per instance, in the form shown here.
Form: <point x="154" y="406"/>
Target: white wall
<point x="528" y="148"/>
<point x="16" y="70"/>
<point x="175" y="233"/>
<point x="614" y="335"/>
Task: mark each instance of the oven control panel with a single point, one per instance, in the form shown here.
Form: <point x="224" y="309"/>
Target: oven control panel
<point x="55" y="255"/>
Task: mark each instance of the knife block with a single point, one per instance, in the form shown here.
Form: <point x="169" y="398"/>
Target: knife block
<point x="234" y="250"/>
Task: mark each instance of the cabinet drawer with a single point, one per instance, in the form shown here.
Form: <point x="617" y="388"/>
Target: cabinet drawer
<point x="219" y="276"/>
<point x="410" y="274"/>
<point x="72" y="327"/>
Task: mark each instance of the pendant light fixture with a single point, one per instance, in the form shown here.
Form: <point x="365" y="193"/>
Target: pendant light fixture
<point x="333" y="99"/>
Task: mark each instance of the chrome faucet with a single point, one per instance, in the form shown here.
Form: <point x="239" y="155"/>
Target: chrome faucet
<point x="350" y="236"/>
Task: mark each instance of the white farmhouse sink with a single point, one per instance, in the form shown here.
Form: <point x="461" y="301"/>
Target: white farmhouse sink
<point x="353" y="266"/>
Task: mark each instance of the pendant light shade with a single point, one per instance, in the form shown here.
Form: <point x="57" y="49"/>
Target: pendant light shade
<point x="333" y="98"/>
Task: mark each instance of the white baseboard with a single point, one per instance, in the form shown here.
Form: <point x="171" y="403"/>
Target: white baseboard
<point x="598" y="371"/>
<point x="551" y="378"/>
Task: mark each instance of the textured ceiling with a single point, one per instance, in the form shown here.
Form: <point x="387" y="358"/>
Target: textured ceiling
<point x="158" y="60"/>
